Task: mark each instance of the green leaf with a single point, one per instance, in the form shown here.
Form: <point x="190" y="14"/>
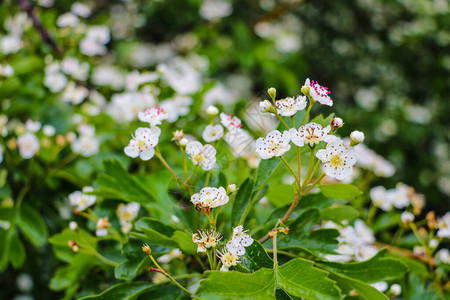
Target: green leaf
<point x="386" y="221"/>
<point x="364" y="290"/>
<point x="155" y="224"/>
<point x="317" y="200"/>
<point x="131" y="268"/>
<point x="128" y="290"/>
<point x="339" y="213"/>
<point x="300" y="278"/>
<point x="118" y="183"/>
<point x="378" y="268"/>
<point x="185" y="243"/>
<point x="280" y="195"/>
<point x="234" y="285"/>
<point x="16" y="251"/>
<point x="265" y="169"/>
<point x="69" y="275"/>
<point x="32" y="225"/>
<point x="157" y="238"/>
<point x="324" y="122"/>
<point x="241" y="201"/>
<point x="340" y="191"/>
<point x="256" y="257"/>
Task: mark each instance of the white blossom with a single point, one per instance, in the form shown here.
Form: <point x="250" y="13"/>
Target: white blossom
<point x="212" y="110"/>
<point x="81" y="200"/>
<point x="443" y="255"/>
<point x="265" y="106"/>
<point x="357" y="137"/>
<point x="181" y="76"/>
<point x="101" y="228"/>
<point x="230" y="122"/>
<point x="176" y="107"/>
<point x="444" y="226"/>
<point x="338" y="160"/>
<point x="74" y="94"/>
<point x="396" y="289"/>
<point x="239" y="240"/>
<point x="381" y="198"/>
<point x="126" y="214"/>
<point x="11" y="44"/>
<point x="72" y="66"/>
<point x="407" y="217"/>
<point x="81" y="9"/>
<point x="153" y="116"/>
<point x="6" y="70"/>
<point x="28" y="145"/>
<point x="380" y="285"/>
<point x="67" y="20"/>
<point x="206" y="240"/>
<point x="215" y="9"/>
<point x="290" y="106"/>
<point x="143" y="143"/>
<point x="49" y="130"/>
<point x="319" y="93"/>
<point x="311" y="134"/>
<point x="212" y="133"/>
<point x="228" y="259"/>
<point x="274" y="144"/>
<point x="205" y="156"/>
<point x="210" y="197"/>
<point x="167" y="258"/>
<point x="32" y="126"/>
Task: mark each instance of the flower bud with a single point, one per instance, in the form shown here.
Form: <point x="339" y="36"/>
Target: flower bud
<point x="231" y="189"/>
<point x="73" y="225"/>
<point x="184" y="141"/>
<point x="272" y="93"/>
<point x="356" y="137"/>
<point x="305" y="90"/>
<point x="396" y="289"/>
<point x="336" y="123"/>
<point x="265" y="106"/>
<point x="407" y="217"/>
<point x="433" y="243"/>
<point x="212" y="111"/>
<point x="102" y="223"/>
<point x="146" y="249"/>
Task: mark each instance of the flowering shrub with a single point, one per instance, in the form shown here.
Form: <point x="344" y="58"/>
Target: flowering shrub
<point x="212" y="196"/>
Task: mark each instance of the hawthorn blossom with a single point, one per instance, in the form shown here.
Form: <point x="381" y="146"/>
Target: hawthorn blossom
<point x="153" y="116"/>
<point x="274" y="144"/>
<point x="311" y="134"/>
<point x="74" y="94"/>
<point x="239" y="240"/>
<point x="205" y="156"/>
<point x="10" y="44"/>
<point x="381" y="198"/>
<point x="338" y="160"/>
<point x="6" y="70"/>
<point x="28" y="145"/>
<point x="67" y="20"/>
<point x="127" y="213"/>
<point x="212" y="10"/>
<point x="95" y="40"/>
<point x="407" y="217"/>
<point x="206" y="240"/>
<point x="212" y="133"/>
<point x="319" y="93"/>
<point x="81" y="200"/>
<point x="230" y="122"/>
<point x="444" y="226"/>
<point x="228" y="258"/>
<point x="210" y="197"/>
<point x="166" y="258"/>
<point x="143" y="143"/>
<point x="176" y="107"/>
<point x="290" y="106"/>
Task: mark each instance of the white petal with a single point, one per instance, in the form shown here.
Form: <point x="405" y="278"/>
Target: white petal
<point x="193" y="148"/>
<point x="131" y="151"/>
<point x="148" y="153"/>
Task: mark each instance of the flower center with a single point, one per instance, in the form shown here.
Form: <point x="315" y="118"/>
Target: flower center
<point x="126" y="216"/>
<point x="141" y="145"/>
<point x="336" y="161"/>
<point x="199" y="158"/>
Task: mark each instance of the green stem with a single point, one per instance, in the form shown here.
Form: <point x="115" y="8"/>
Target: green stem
<point x="208" y="177"/>
<point x="371" y="215"/>
<point x="170" y="277"/>
<point x="314" y="184"/>
<point x="275" y="259"/>
<point x="279" y="117"/>
<point x="310" y="167"/>
<point x="291" y="170"/>
<point x="184" y="164"/>
<point x="22" y="194"/>
<point x="313" y="172"/>
<point x="311" y="103"/>
<point x="164" y="162"/>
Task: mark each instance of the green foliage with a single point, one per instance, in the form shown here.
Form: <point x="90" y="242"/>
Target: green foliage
<point x="32" y="225"/>
<point x="340" y="191"/>
<point x="242" y="201"/>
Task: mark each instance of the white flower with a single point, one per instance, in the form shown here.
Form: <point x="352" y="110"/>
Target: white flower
<point x="95" y="40"/>
<point x="55" y="81"/>
<point x="401" y="194"/>
<point x="444" y="226"/>
<point x="433" y="243"/>
<point x="74" y="94"/>
<point x="166" y="258"/>
<point x="357" y="137"/>
<point x="143" y="143"/>
<point x="212" y="110"/>
<point x="73" y="225"/>
<point x="311" y="134"/>
<point x="230" y="122"/>
<point x="176" y="107"/>
<point x="81" y="9"/>
<point x="338" y="160"/>
<point x="319" y="93"/>
<point x="49" y="130"/>
<point x="265" y="106"/>
<point x="239" y="240"/>
<point x="444" y="255"/>
<point x="153" y="116"/>
<point x="396" y="289"/>
<point x="6" y="70"/>
<point x="82" y="200"/>
<point x="205" y="156"/>
<point x="290" y="106"/>
<point x="407" y="217"/>
<point x="212" y="133"/>
<point x="231" y="188"/>
<point x="108" y="75"/>
<point x="181" y="76"/>
<point x="24" y="283"/>
<point x="210" y="197"/>
<point x="228" y="259"/>
<point x="67" y="20"/>
<point x="206" y="240"/>
<point x="73" y="67"/>
<point x="127" y="213"/>
<point x="381" y="285"/>
<point x="274" y="144"/>
<point x="184" y="141"/>
<point x="32" y="126"/>
<point x="241" y="142"/>
<point x="380" y="198"/>
<point x="215" y="9"/>
<point x="28" y="145"/>
<point x="11" y="44"/>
